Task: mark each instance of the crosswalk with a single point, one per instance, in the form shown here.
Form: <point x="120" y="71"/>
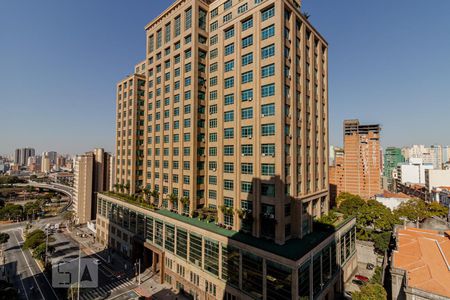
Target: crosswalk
<point x="106" y="290"/>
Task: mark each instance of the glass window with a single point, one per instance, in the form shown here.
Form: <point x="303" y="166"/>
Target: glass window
<point x="229" y="82"/>
<point x="268" y="169"/>
<point x="229" y="65"/>
<point x="247" y="95"/>
<point x="246" y="24"/>
<point x="247" y="59"/>
<point x="247" y="168"/>
<point x="268" y="13"/>
<point x="268" y="110"/>
<point x="229" y="99"/>
<point x="211" y="256"/>
<point x="229" y="133"/>
<point x="247" y="41"/>
<point x="268" y="32"/>
<point x="247" y="113"/>
<point x="229" y="49"/>
<point x="268" y="129"/>
<point x="247" y="150"/>
<point x="229" y="33"/>
<point x="268" y="189"/>
<point x="247" y="77"/>
<point x="229" y="116"/>
<point x="268" y="51"/>
<point x="195" y="249"/>
<point x="247" y="131"/>
<point x="268" y="90"/>
<point x="268" y="71"/>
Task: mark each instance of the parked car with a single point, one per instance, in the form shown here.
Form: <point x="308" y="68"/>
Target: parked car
<point x="370" y="266"/>
<point x="362" y="278"/>
<point x="358" y="282"/>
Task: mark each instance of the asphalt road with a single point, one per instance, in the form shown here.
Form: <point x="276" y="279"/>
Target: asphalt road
<point x="23" y="271"/>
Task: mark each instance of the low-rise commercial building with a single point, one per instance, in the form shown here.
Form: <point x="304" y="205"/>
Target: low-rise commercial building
<point x="436" y="178"/>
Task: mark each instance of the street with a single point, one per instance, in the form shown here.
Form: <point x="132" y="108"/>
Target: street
<point x="22" y="270"/>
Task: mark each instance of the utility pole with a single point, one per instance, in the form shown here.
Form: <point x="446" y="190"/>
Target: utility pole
<point x="79" y="271"/>
<point x="46" y="248"/>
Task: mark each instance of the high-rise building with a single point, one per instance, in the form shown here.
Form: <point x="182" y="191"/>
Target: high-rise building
<point x="392" y="157"/>
<point x="45" y="164"/>
<point x="226" y="120"/>
<point x="91" y="175"/>
<point x="359" y="172"/>
<point x="21" y="155"/>
<point x="83" y="187"/>
<point x="336" y="174"/>
<point x="52" y="155"/>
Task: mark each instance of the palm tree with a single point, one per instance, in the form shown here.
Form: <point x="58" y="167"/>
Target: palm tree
<point x="121" y="187"/>
<point x="155" y="195"/>
<point x="127" y="187"/>
<point x="173" y="199"/>
<point x="116" y="187"/>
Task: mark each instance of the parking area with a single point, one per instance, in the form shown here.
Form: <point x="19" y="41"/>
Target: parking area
<point x="363" y="273"/>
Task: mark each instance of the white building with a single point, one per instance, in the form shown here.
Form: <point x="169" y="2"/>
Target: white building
<point x="412" y="172"/>
<point x="392" y="200"/>
<point x="436" y="178"/>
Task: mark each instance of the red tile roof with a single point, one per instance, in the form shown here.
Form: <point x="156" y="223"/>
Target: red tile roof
<point x="425" y="256"/>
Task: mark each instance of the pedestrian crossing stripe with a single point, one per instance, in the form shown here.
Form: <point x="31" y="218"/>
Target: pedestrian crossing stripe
<point x="116" y="285"/>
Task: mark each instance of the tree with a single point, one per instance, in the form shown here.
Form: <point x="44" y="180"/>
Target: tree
<point x="436" y="209"/>
<point x="155" y="195"/>
<point x="34" y="239"/>
<point x="11" y="212"/>
<point x="68" y="216"/>
<point x="381" y="240"/>
<point x="39" y="251"/>
<point x="413" y="210"/>
<point x="4" y="237"/>
<point x="370" y="291"/>
<point x="348" y="204"/>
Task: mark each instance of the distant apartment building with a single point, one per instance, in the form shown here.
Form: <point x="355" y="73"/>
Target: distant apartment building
<point x="437" y="155"/>
<point x="359" y="168"/>
<point x="91" y="175"/>
<point x="392" y="157"/>
<point x="228" y="116"/>
<point x="420" y="264"/>
<point x="336" y="173"/>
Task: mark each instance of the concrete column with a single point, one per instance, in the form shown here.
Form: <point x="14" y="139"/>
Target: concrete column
<point x="154" y="262"/>
<point x="294" y="283"/>
<point x="161" y="268"/>
<point x="264" y="284"/>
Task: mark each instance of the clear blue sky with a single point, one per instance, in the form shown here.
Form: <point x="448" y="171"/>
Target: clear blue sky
<point x="60" y="61"/>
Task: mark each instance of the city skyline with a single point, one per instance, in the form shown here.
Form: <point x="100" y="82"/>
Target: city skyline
<point x="396" y="81"/>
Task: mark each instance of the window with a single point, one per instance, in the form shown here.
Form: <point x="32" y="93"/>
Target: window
<point x="268" y="169"/>
<point x="229" y="116"/>
<point x="229" y="65"/>
<point x="188" y="18"/>
<point x="213" y="26"/>
<point x="247" y="41"/>
<point x="213" y="81"/>
<point x="228" y="185"/>
<point x="177" y="29"/>
<point x="228" y="167"/>
<point x="213" y="95"/>
<point x="246" y="187"/>
<point x="268" y="129"/>
<point x="247" y="77"/>
<point x="247" y="113"/>
<point x="247" y="168"/>
<point x="246" y="24"/>
<point x="213" y="40"/>
<point x="212" y="180"/>
<point x="268" y="110"/>
<point x="247" y="95"/>
<point x="268" y="51"/>
<point x="215" y="12"/>
<point x="213" y="109"/>
<point x="268" y="71"/>
<point x="213" y="54"/>
<point x="247" y="59"/>
<point x="187" y="39"/>
<point x="228" y="4"/>
<point x="268" y="90"/>
<point x="229" y="82"/>
<point x="228" y="150"/>
<point x="167" y="33"/>
<point x="247" y="131"/>
<point x="202" y="19"/>
<point x="268" y="149"/>
<point x="229" y="49"/>
<point x="213" y="67"/>
<point x="229" y="33"/>
<point x="243" y="8"/>
<point x="268" y="32"/>
<point x="229" y="133"/>
<point x="212" y="124"/>
<point x="247" y="150"/>
<point x="227" y="17"/>
<point x="229" y="99"/>
<point x="268" y="13"/>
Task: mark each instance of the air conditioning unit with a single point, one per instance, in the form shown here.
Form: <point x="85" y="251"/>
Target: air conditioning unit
<point x="263" y="154"/>
<point x="214" y="169"/>
<point x="250" y="137"/>
<point x="273" y="155"/>
<point x="243" y="154"/>
<point x="263" y="115"/>
<point x="250" y="99"/>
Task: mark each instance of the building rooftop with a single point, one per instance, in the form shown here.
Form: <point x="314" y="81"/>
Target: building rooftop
<point x="293" y="249"/>
<point x="425" y="256"/>
<point x="387" y="194"/>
